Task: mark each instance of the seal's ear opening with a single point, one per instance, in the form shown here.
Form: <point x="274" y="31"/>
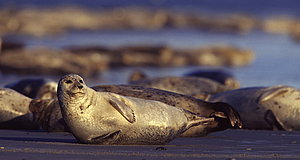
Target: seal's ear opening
<point x="227" y="115"/>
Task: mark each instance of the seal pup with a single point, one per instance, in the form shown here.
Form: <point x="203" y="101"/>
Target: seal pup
<point x="218" y="75"/>
<point x="35" y="88"/>
<point x="108" y="118"/>
<point x="14" y="111"/>
<point x="275" y="107"/>
<point x="197" y="87"/>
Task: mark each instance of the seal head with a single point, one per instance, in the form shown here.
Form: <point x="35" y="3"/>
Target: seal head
<point x="71" y="88"/>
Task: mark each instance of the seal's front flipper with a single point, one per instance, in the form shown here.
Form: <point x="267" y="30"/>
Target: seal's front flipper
<point x="123" y="109"/>
<point x="271" y="92"/>
<point x="105" y="138"/>
<point x="272" y="121"/>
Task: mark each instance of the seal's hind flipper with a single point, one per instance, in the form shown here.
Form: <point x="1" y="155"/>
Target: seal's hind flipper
<point x="105" y="137"/>
<point x="195" y="120"/>
<point x="226" y="111"/>
<point x="123" y="109"/>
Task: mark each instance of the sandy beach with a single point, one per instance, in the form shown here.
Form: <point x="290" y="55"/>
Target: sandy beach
<point x="46" y="36"/>
<point x="229" y="144"/>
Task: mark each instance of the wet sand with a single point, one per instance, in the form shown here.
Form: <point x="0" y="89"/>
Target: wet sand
<point x="229" y="144"/>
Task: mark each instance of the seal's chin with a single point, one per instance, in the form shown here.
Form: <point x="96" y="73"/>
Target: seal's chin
<point x="76" y="94"/>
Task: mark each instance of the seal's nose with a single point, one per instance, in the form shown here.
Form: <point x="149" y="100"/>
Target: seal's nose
<point x="79" y="86"/>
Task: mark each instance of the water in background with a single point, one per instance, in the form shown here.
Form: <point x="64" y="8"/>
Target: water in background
<point x="277" y="56"/>
<point x="254" y="7"/>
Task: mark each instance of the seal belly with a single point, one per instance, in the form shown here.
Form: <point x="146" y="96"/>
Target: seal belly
<point x="156" y="122"/>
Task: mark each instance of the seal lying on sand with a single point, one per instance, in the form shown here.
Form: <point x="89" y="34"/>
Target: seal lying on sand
<point x="275" y="107"/>
<point x="108" y="118"/>
<point x="14" y="111"/>
<point x="47" y="112"/>
<point x="35" y="88"/>
<point x="197" y="87"/>
<point x="218" y="75"/>
<point x="225" y="116"/>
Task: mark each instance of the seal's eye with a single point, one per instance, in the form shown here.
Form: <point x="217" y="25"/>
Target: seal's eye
<point x="69" y="81"/>
<point x="80" y="81"/>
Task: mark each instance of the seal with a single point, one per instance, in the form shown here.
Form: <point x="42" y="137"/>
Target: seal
<point x="274" y="107"/>
<point x="197" y="87"/>
<point x="137" y="76"/>
<point x="47" y="112"/>
<point x="224" y="115"/>
<point x="108" y="118"/>
<point x="14" y="111"/>
<point x="47" y="91"/>
<point x="35" y="88"/>
<point x="218" y="75"/>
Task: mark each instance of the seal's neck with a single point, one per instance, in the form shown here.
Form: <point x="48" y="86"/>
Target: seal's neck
<point x="76" y="103"/>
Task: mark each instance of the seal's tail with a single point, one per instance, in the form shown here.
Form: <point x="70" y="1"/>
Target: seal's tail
<point x="229" y="113"/>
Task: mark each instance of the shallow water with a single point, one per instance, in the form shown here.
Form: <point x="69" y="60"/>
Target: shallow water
<point x="277" y="56"/>
<point x="276" y="61"/>
<point x="253" y="7"/>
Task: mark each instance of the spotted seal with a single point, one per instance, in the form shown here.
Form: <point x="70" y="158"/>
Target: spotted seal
<point x="275" y="107"/>
<point x="197" y="87"/>
<point x="109" y="118"/>
<point x="225" y="116"/>
<point x="47" y="112"/>
<point x="14" y="111"/>
<point x="35" y="88"/>
<point x="218" y="75"/>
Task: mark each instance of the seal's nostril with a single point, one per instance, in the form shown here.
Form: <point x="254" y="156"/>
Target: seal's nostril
<point x="80" y="86"/>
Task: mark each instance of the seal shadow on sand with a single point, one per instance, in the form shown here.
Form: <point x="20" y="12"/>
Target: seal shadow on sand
<point x="38" y="139"/>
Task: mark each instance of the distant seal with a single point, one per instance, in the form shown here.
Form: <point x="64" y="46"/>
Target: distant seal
<point x="10" y="44"/>
<point x="35" y="88"/>
<point x="197" y="87"/>
<point x="218" y="75"/>
<point x="47" y="91"/>
<point x="108" y="118"/>
<point x="14" y="111"/>
<point x="137" y="76"/>
<point x="275" y="107"/>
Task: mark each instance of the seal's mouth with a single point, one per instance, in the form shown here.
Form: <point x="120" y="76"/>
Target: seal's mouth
<point x="76" y="93"/>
